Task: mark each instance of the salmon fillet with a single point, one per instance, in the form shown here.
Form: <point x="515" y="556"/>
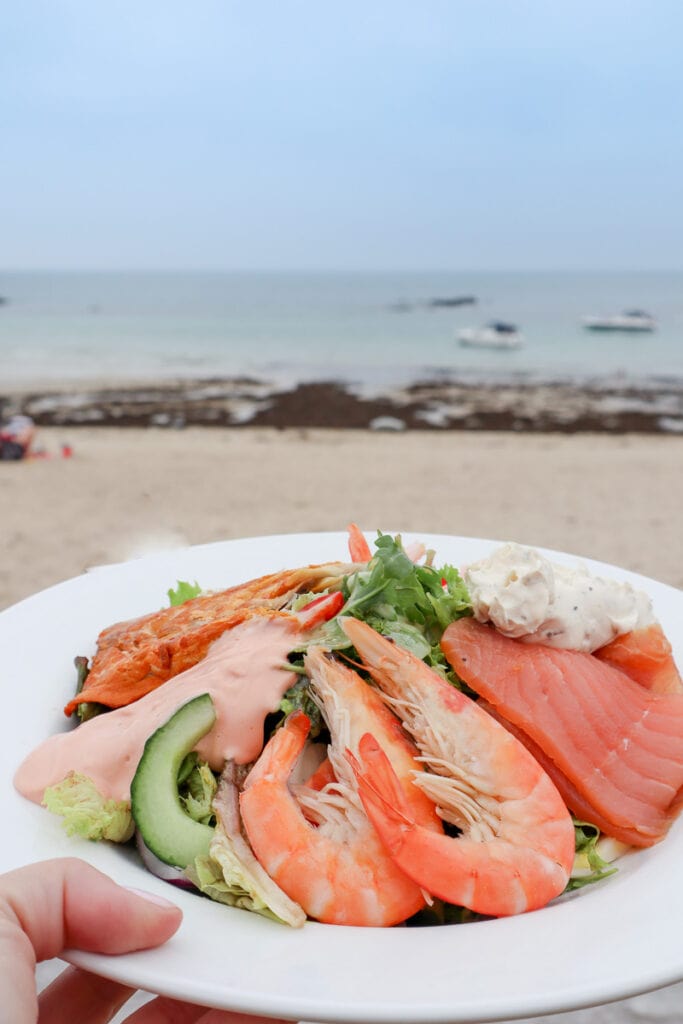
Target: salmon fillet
<point x="136" y="656"/>
<point x="646" y="656"/>
<point x="615" y="744"/>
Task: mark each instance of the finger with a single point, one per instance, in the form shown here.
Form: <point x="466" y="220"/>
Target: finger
<point x="224" y="1017"/>
<point x="51" y="906"/>
<point x="168" y="1011"/>
<point x="78" y="997"/>
<point x="61" y="904"/>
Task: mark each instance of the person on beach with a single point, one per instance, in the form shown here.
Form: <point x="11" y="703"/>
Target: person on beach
<point x="16" y="438"/>
<point x="61" y="904"/>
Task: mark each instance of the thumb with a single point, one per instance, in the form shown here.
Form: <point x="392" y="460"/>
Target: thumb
<point x="62" y="904"/>
<point x="55" y="905"/>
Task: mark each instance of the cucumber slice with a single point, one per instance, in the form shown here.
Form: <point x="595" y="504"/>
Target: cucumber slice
<point x="171" y="834"/>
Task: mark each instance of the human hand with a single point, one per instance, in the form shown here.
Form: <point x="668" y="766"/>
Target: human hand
<point x="55" y="905"/>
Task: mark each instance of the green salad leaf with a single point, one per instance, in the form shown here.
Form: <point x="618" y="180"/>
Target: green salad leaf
<point x="231" y="874"/>
<point x="196" y="789"/>
<point x="298" y="698"/>
<point x="410" y="603"/>
<point x="183" y="592"/>
<point x="86" y="812"/>
<point x="394" y="588"/>
<point x="589" y="866"/>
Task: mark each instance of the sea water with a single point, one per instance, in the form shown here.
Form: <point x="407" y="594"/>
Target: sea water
<point x="378" y="328"/>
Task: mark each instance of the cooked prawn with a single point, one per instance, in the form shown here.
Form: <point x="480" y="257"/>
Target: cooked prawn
<point x="516" y="844"/>
<point x="318" y="845"/>
<point x="135" y="657"/>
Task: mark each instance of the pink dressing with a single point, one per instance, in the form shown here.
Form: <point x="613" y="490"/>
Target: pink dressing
<point x="243" y="671"/>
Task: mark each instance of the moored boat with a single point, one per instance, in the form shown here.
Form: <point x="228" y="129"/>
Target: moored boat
<point x="630" y="320"/>
<point x="496" y="334"/>
<point x="448" y="303"/>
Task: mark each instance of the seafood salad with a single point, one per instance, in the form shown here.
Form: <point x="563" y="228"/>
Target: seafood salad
<point x="377" y="741"/>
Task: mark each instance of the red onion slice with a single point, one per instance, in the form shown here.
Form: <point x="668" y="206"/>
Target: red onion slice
<point x="167" y="872"/>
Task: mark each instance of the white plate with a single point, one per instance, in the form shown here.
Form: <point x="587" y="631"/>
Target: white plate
<point x="607" y="942"/>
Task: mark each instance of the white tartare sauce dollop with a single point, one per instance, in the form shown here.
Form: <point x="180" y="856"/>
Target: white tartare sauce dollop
<point x="526" y="596"/>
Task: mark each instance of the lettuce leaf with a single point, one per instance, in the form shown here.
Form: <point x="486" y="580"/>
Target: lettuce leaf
<point x="231" y="874"/>
<point x="196" y="789"/>
<point x="86" y="812"/>
<point x="183" y="592"/>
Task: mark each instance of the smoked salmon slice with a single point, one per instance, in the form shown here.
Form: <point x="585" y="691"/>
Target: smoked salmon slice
<point x="136" y="656"/>
<point x="613" y="747"/>
<point x="646" y="656"/>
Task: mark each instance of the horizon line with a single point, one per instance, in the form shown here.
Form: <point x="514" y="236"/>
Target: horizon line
<point x="338" y="270"/>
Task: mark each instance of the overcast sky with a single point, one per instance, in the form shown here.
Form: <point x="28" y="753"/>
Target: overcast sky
<point x="363" y="134"/>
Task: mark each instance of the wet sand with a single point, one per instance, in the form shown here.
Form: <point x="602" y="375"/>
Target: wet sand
<point x="447" y="403"/>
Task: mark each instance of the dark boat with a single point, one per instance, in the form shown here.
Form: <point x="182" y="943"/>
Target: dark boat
<point x="458" y="300"/>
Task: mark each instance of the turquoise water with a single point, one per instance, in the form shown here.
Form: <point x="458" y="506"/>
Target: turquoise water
<point x="374" y="327"/>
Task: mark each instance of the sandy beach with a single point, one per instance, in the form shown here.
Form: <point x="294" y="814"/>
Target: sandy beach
<point x="125" y="492"/>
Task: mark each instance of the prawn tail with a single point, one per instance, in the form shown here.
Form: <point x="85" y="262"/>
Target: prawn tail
<point x="322" y="776"/>
<point x="381" y="794"/>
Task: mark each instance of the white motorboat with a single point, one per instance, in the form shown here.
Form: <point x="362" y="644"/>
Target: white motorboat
<point x="493" y="335"/>
<point x="630" y="320"/>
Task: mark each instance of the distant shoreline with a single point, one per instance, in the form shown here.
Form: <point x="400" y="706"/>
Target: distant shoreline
<point x="520" y="404"/>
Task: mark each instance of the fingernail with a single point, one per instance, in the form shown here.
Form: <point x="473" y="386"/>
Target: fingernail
<point x="151" y="897"/>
